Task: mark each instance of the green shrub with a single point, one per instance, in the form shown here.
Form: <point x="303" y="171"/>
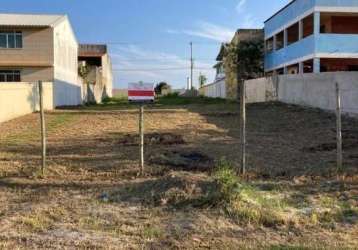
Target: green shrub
<point x="244" y="202"/>
<point x="227" y="181"/>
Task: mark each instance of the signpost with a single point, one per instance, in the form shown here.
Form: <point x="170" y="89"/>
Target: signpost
<point x="141" y="93"/>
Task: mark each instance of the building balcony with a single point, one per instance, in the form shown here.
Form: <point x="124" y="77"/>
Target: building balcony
<point x="290" y="54"/>
<point x="337" y="45"/>
<point x="314" y="46"/>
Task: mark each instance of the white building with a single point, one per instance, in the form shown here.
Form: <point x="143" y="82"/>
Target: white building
<point x="40" y="47"/>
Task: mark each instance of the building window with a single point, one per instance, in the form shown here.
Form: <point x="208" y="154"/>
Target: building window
<point x="307" y="24"/>
<point x="293" y="69"/>
<point x="269" y="45"/>
<point x="11" y="40"/>
<point x="280" y="71"/>
<point x="10" y="76"/>
<point x="308" y="66"/>
<point x="280" y="40"/>
<point x="293" y="34"/>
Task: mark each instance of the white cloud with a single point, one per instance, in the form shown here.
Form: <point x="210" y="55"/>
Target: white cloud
<point x="133" y="63"/>
<point x="208" y="30"/>
<point x="240" y="6"/>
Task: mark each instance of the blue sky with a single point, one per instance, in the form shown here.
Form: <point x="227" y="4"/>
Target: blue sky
<point x="149" y="39"/>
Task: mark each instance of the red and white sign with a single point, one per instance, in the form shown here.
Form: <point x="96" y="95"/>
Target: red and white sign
<point x="141" y="92"/>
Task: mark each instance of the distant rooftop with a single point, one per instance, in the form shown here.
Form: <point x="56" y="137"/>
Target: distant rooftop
<point x="30" y="20"/>
<point x="92" y="50"/>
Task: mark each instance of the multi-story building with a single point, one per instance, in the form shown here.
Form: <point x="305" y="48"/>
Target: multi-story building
<point x="97" y="84"/>
<point x="309" y="36"/>
<point x="40" y="47"/>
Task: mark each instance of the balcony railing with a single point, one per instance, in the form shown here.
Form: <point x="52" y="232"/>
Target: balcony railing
<point x="290" y="53"/>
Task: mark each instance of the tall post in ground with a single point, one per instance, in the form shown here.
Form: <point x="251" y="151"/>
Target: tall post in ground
<point x="43" y="128"/>
<point x="243" y="126"/>
<point x="141" y="132"/>
<point x="191" y="65"/>
<point x="339" y="128"/>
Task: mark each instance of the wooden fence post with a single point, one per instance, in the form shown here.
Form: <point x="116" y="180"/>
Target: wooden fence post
<point x="43" y="128"/>
<point x="339" y="128"/>
<point x="243" y="126"/>
<point x="141" y="134"/>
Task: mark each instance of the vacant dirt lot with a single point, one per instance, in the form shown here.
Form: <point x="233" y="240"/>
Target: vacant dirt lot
<point x="91" y="196"/>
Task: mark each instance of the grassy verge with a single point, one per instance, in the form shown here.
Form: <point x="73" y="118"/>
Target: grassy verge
<point x="250" y="205"/>
<point x="169" y="101"/>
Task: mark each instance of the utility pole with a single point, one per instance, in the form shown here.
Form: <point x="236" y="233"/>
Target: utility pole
<point x="191" y="65"/>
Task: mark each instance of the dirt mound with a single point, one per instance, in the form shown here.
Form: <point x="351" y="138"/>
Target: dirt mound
<point x="184" y="160"/>
<point x="152" y="139"/>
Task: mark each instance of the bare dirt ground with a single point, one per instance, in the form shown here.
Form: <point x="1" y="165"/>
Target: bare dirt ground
<point x="92" y="198"/>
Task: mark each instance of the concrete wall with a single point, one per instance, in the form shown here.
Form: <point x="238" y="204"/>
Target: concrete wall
<point x="67" y="88"/>
<point x="107" y="75"/>
<point x="261" y="90"/>
<point x="17" y="99"/>
<point x="215" y="90"/>
<point x="34" y="74"/>
<point x="318" y="90"/>
<point x="94" y="90"/>
<point x="312" y="90"/>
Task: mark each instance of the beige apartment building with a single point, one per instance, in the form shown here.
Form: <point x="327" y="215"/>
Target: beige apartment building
<point x="41" y="47"/>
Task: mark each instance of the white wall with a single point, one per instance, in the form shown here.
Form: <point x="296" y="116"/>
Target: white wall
<point x="67" y="88"/>
<point x="107" y="74"/>
<point x="17" y="99"/>
<point x="318" y="90"/>
<point x="214" y="90"/>
<point x="260" y="90"/>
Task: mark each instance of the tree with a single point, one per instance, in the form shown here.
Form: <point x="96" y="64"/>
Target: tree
<point x="202" y="80"/>
<point x="246" y="59"/>
<point x="160" y="87"/>
<point x="83" y="71"/>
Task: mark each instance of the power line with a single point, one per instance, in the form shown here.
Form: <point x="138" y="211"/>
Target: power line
<point x="162" y="69"/>
<point x="134" y="43"/>
<point x="162" y="59"/>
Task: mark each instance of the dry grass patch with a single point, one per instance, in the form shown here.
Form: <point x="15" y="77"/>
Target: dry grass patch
<point x="42" y="220"/>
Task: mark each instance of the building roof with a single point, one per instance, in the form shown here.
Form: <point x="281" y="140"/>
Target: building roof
<point x="240" y="35"/>
<point x="92" y="50"/>
<point x="282" y="9"/>
<point x="30" y="20"/>
<point x="222" y="52"/>
<point x="246" y="35"/>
